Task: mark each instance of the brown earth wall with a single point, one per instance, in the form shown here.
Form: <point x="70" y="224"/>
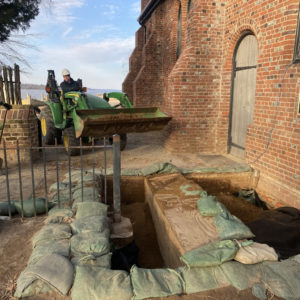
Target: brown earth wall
<point x="196" y="88"/>
<point x="22" y="125"/>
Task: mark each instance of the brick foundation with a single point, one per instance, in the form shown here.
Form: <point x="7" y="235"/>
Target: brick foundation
<point x="22" y="125"/>
<point x="196" y="88"/>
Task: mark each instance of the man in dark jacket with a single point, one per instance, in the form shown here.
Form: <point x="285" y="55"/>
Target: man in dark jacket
<point x="69" y="85"/>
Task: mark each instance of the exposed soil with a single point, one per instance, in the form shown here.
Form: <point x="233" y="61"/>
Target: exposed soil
<point x="144" y="234"/>
<point x="15" y="249"/>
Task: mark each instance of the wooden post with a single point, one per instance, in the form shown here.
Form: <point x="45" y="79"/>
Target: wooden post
<point x="17" y="85"/>
<point x="11" y="86"/>
<point x="7" y="99"/>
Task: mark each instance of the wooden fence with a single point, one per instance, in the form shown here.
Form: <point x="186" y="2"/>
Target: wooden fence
<point x="10" y="89"/>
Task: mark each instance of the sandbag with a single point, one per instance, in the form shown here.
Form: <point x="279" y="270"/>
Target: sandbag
<point x="103" y="261"/>
<point x="94" y="223"/>
<point x="62" y="187"/>
<point x="4" y="208"/>
<point x="29" y="286"/>
<point x="148" y="283"/>
<point x="89" y="209"/>
<point x="282" y="278"/>
<point x="93" y="243"/>
<point x="95" y="283"/>
<point x="55" y="270"/>
<point x="230" y="227"/>
<point x="61" y="247"/>
<point x="88" y="193"/>
<point x="51" y="232"/>
<point x="207" y="206"/>
<point x="211" y="254"/>
<point x="59" y="215"/>
<point x="159" y="168"/>
<point x="28" y="206"/>
<point x="202" y="279"/>
<point x="242" y="276"/>
<point x="255" y="253"/>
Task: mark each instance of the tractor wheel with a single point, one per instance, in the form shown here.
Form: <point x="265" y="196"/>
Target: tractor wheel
<point x="70" y="140"/>
<point x="49" y="132"/>
<point x="123" y="141"/>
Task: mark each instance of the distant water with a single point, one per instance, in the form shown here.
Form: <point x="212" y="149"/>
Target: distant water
<point x="36" y="94"/>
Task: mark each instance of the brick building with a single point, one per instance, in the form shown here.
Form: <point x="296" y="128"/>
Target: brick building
<point x="217" y="68"/>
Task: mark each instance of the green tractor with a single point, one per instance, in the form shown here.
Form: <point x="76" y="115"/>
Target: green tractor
<point x="77" y="114"/>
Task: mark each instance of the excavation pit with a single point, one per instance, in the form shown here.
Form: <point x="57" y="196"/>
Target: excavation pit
<point x="159" y="246"/>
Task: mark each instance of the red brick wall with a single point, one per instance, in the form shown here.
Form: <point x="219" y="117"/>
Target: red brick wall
<point x="144" y="3"/>
<point x="195" y="89"/>
<point x="274" y="24"/>
<point x="21" y="124"/>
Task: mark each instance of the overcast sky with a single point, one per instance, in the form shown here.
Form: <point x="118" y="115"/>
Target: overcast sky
<point x="91" y="38"/>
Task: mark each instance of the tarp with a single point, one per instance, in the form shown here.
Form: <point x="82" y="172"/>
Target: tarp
<point x="279" y="228"/>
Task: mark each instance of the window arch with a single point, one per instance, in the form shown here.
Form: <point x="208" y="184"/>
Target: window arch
<point x="179" y="32"/>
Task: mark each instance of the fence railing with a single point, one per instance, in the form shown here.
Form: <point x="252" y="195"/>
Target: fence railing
<point x="43" y="177"/>
<point x="10" y="88"/>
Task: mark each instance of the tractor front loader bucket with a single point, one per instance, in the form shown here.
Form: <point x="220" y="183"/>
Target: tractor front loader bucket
<point x="105" y="122"/>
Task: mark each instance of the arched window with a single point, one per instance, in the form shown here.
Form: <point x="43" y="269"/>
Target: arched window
<point x="179" y="33"/>
<point x="189" y="6"/>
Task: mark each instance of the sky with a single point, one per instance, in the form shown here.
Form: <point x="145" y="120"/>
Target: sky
<point x="91" y="38"/>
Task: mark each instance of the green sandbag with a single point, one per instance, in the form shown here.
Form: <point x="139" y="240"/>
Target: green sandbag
<point x="29" y="286"/>
<point x="259" y="291"/>
<point x="89" y="209"/>
<point x="64" y="197"/>
<point x="90" y="243"/>
<point x="282" y="278"/>
<point x="62" y="186"/>
<point x="94" y="223"/>
<point x="103" y="261"/>
<point x="51" y="232"/>
<point x="86" y="200"/>
<point x="88" y="194"/>
<point x="4" y="208"/>
<point x="211" y="254"/>
<point x="95" y="283"/>
<point x="59" y="215"/>
<point x="61" y="211"/>
<point x="202" y="279"/>
<point x="148" y="283"/>
<point x="28" y="206"/>
<point x="230" y="227"/>
<point x="159" y="168"/>
<point x="61" y="247"/>
<point x="242" y="276"/>
<point x="207" y="206"/>
<point x="51" y="273"/>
